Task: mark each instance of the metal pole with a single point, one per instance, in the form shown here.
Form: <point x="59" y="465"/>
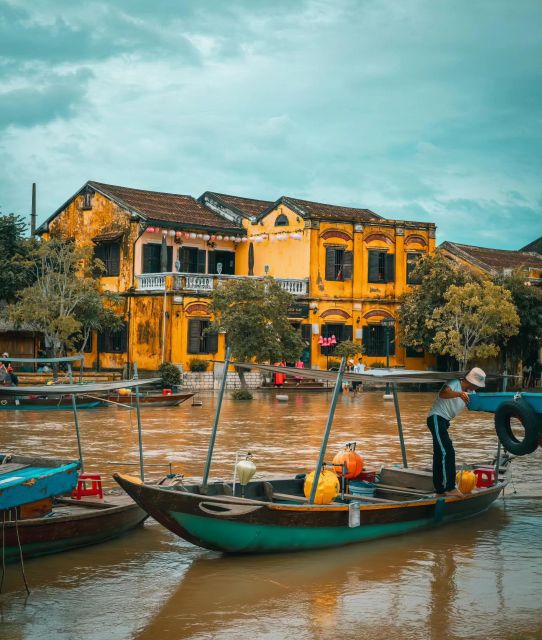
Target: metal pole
<point x="139" y="437"/>
<point x="338" y="384"/>
<point x="498" y="462"/>
<point x="399" y="426"/>
<point x="215" y="421"/>
<point x="386" y="329"/>
<point x="76" y="421"/>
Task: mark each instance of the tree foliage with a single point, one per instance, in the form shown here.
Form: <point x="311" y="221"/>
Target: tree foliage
<point x="528" y="301"/>
<point x="473" y="321"/>
<point x="347" y="349"/>
<point x="16" y="266"/>
<point x="64" y="303"/>
<point x="435" y="273"/>
<point x="254" y="315"/>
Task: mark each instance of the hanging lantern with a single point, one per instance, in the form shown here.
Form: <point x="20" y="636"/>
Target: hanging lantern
<point x="192" y="235"/>
<point x="244" y="239"/>
<point x="237" y="239"/>
<point x="272" y="238"/>
<point x="219" y="237"/>
<point x="164" y="232"/>
<point x="245" y="469"/>
<point x="156" y="229"/>
<point x="171" y="232"/>
<point x="199" y="235"/>
<point x="178" y="235"/>
<point x="348" y="461"/>
<point x="333" y="340"/>
<point x="259" y="239"/>
<point x="206" y="237"/>
<point x="213" y="238"/>
<point x="150" y="229"/>
<point x="320" y="340"/>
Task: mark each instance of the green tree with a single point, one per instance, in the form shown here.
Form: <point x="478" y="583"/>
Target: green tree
<point x="16" y="266"/>
<point x="528" y="300"/>
<point x="64" y="303"/>
<point x="472" y="322"/>
<point x="254" y="315"/>
<point x="435" y="273"/>
<point x="347" y="349"/>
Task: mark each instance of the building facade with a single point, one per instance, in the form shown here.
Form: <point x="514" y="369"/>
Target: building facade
<point x="347" y="269"/>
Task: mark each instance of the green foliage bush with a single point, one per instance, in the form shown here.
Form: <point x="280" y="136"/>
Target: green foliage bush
<point x="241" y="394"/>
<point x="378" y="364"/>
<point x="170" y="374"/>
<point x="197" y="364"/>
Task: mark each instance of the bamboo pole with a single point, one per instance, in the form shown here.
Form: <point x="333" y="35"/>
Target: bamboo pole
<point x="139" y="435"/>
<point x="399" y="426"/>
<point x="76" y="421"/>
<point x="336" y="390"/>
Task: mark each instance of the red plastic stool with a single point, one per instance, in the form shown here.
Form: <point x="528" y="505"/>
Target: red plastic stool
<point x="485" y="476"/>
<point x="166" y="392"/>
<point x="81" y="490"/>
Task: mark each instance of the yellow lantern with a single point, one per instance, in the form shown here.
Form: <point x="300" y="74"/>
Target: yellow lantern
<point x="328" y="486"/>
<point x="466" y="481"/>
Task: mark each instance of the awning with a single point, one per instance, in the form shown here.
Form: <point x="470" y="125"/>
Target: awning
<point x="77" y="389"/>
<point x="108" y="237"/>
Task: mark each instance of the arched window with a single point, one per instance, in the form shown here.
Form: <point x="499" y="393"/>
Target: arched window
<point x="281" y="221"/>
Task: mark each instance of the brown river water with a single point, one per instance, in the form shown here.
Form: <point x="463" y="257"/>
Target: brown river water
<point x="481" y="578"/>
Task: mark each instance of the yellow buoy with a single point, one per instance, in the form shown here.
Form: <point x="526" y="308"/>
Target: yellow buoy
<point x="125" y="392"/>
<point x="466" y="481"/>
<point x="328" y="486"/>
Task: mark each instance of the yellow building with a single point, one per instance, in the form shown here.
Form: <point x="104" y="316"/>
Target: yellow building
<point x="164" y="253"/>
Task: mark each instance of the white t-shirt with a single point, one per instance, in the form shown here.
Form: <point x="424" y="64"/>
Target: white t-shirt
<point x="359" y="368"/>
<point x="448" y="409"/>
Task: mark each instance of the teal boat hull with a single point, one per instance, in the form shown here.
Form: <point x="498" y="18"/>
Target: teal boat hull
<point x="490" y="402"/>
<point x="24" y="480"/>
<point x="233" y="525"/>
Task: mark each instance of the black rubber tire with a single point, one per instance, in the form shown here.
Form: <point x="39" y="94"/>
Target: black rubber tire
<point x="528" y="418"/>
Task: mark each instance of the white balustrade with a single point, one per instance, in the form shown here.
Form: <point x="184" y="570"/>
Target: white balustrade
<point x="296" y="287"/>
<point x="151" y="282"/>
<point x="196" y="282"/>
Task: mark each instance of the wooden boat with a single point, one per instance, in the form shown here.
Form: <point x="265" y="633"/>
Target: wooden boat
<point x="69" y="524"/>
<point x="26" y="479"/>
<point x="275" y="515"/>
<point x="38" y="403"/>
<point x="47" y="523"/>
<point x="152" y="399"/>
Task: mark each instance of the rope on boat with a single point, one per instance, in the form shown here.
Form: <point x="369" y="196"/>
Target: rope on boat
<point x="3" y="550"/>
<point x="21" y="553"/>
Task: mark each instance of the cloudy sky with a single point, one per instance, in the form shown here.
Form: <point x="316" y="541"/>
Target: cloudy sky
<point x="417" y="109"/>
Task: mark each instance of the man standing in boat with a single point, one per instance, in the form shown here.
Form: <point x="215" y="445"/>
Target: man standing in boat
<point x="451" y="400"/>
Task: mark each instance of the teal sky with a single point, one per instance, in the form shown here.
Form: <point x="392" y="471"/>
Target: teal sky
<point x="417" y="109"/>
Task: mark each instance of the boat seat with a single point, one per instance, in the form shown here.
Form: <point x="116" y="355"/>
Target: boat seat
<point x="11" y="467"/>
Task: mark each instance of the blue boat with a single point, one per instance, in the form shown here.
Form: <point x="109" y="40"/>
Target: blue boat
<point x="490" y="402"/>
<point x="24" y="480"/>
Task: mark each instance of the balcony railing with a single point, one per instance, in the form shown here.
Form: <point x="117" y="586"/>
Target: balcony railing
<point x="203" y="282"/>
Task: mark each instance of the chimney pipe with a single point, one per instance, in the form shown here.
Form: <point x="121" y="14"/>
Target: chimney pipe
<point x="33" y="214"/>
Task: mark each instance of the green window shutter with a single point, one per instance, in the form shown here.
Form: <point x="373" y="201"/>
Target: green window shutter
<point x="146" y="264"/>
<point x="306" y="332"/>
<point x="374" y="275"/>
<point x="390" y="267"/>
<point x="212" y="341"/>
<point x="201" y="261"/>
<point x="194" y="336"/>
<point x="212" y="262"/>
<point x="113" y="268"/>
<point x="347" y="332"/>
<point x="170" y="259"/>
<point x="348" y="262"/>
<point x="392" y="341"/>
<point x="330" y="263"/>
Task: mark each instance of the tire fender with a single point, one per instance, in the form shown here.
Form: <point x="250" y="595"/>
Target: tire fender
<point x="525" y="414"/>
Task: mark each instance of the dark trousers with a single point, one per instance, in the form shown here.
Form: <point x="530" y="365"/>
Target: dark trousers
<point x="443" y="454"/>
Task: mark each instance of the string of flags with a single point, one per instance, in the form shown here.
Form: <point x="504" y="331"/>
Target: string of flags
<point x="261" y="237"/>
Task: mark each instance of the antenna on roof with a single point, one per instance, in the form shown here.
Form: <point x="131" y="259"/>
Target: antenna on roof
<point x="33" y="214"/>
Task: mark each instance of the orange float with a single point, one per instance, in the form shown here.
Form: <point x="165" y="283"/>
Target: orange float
<point x="466" y="481"/>
<point x="352" y="460"/>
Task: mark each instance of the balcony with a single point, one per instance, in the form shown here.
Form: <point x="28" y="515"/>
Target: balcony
<point x="205" y="283"/>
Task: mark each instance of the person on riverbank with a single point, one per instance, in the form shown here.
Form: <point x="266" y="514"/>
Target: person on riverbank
<point x="451" y="400"/>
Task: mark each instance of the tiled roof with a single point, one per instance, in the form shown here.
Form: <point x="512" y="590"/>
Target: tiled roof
<point x="166" y="208"/>
<point x="535" y="245"/>
<point x="494" y="259"/>
<point x="248" y="207"/>
<point x="321" y="211"/>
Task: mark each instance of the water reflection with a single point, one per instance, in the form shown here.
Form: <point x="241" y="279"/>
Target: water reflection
<point x="473" y="579"/>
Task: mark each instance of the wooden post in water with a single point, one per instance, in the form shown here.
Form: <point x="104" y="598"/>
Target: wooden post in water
<point x="76" y="421"/>
<point x="336" y="390"/>
<point x="215" y="421"/>
<point x="139" y="436"/>
<point x="399" y="426"/>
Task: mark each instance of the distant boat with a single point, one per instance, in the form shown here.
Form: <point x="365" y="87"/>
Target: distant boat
<point x="152" y="399"/>
<point x="38" y="403"/>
